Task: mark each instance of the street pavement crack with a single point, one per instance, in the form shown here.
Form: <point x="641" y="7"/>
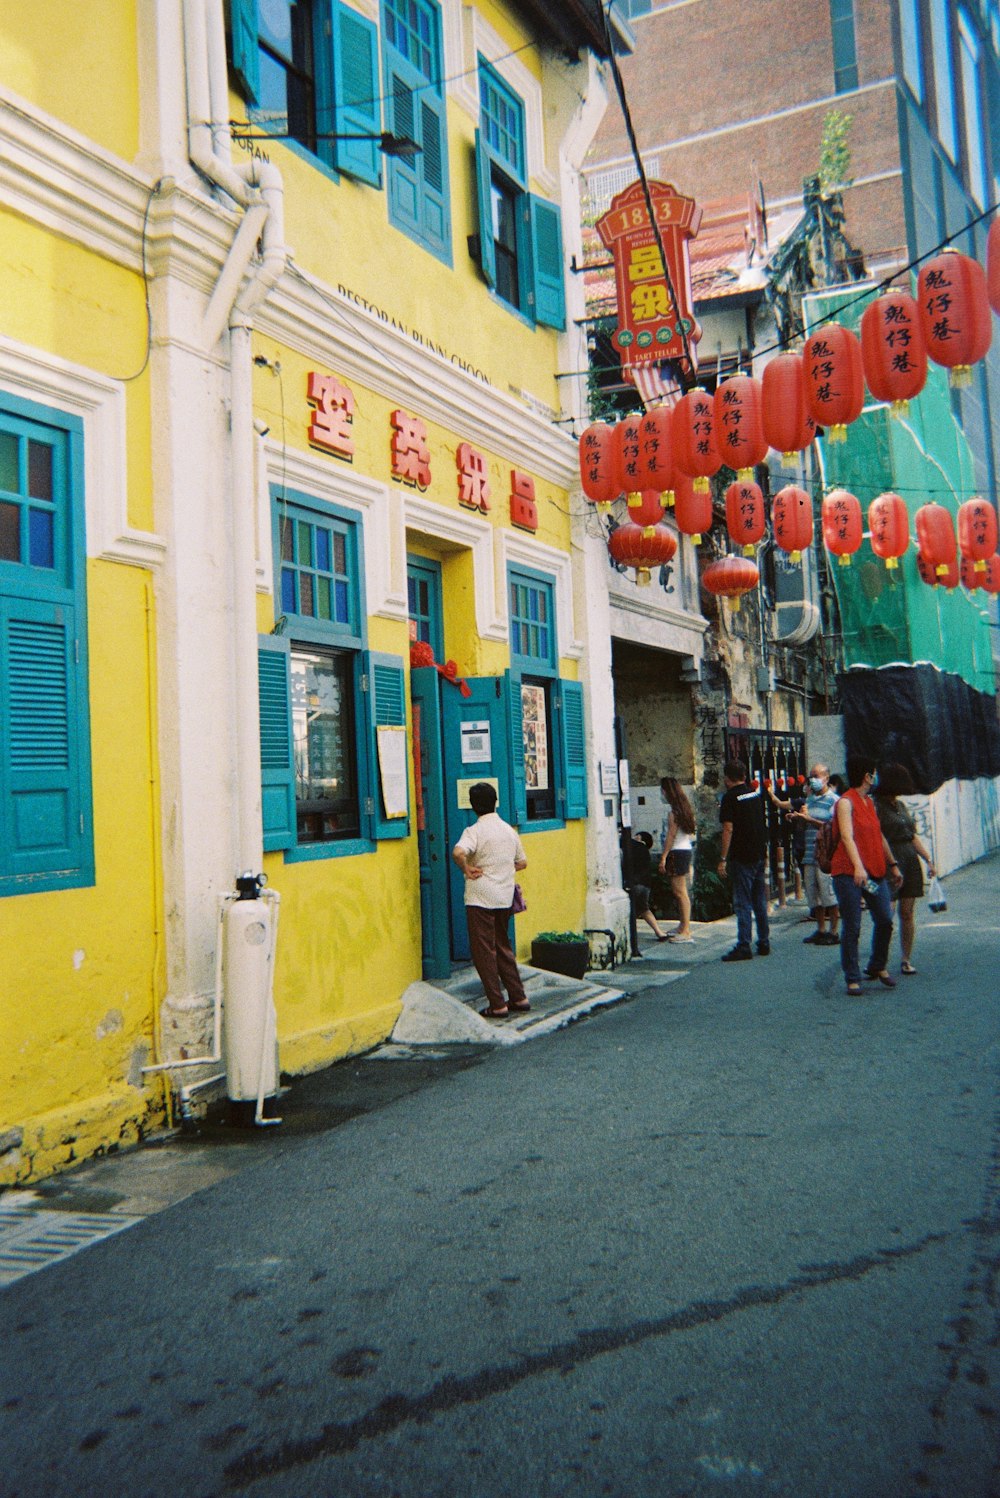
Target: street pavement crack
<point x="336" y="1438"/>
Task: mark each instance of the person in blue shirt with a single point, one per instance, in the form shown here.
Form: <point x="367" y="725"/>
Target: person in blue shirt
<point x="820" y="896"/>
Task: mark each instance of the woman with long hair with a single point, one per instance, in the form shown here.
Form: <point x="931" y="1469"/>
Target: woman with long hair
<point x="894" y="780"/>
<point x="679" y="828"/>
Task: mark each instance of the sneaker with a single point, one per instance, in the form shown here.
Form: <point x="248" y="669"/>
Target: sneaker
<point x="763" y="949"/>
<point x="829" y="939"/>
<point x="815" y="940"/>
<point x="738" y="954"/>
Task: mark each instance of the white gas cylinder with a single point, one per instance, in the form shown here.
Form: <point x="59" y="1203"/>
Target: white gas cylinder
<point x="249" y="1032"/>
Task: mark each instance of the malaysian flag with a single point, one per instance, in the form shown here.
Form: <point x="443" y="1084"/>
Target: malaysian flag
<point x="656" y="383"/>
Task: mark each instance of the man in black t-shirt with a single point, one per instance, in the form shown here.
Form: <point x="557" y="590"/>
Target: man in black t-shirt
<point x="743" y="850"/>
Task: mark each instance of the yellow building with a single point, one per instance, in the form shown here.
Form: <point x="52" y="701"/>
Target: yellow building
<point x="281" y="316"/>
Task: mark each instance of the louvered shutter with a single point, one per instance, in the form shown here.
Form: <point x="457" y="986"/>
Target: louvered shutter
<point x="434" y="211"/>
<point x="574" y="752"/>
<point x="244" y="54"/>
<point x="515" y="743"/>
<point x="386" y="698"/>
<point x="404" y="176"/>
<point x="277" y="764"/>
<point x="45" y="795"/>
<point x="484" y="200"/>
<point x="357" y="109"/>
<point x="548" y="271"/>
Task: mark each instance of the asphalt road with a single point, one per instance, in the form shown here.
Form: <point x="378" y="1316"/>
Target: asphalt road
<point x="737" y="1236"/>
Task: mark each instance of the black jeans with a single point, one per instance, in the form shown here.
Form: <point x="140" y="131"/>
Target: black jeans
<point x="750" y="900"/>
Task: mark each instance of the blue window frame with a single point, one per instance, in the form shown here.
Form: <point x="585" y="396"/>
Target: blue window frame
<point x="425" y="603"/>
<point x="46" y="814"/>
<point x="419" y="198"/>
<point x="323" y="696"/>
<point x="845" y="52"/>
<point x="519" y="244"/>
<point x="308" y="69"/>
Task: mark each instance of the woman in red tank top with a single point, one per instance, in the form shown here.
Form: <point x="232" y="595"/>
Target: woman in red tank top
<point x="860" y="863"/>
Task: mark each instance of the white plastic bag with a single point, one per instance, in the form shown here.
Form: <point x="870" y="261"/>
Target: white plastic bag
<point x="936" y="899"/>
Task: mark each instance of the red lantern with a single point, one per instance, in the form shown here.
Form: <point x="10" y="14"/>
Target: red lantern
<point x="842" y="525"/>
<point x="692" y="507"/>
<point x="792" y="520"/>
<point x="893" y="350"/>
<point x="626" y="457"/>
<point x="993" y="265"/>
<point x="649" y="511"/>
<point x="656" y="460"/>
<point x="597" y="468"/>
<point x="955" y="312"/>
<point x="835" y="382"/>
<point x="936" y="537"/>
<point x="889" y="524"/>
<point x="989" y="580"/>
<point x="632" y="546"/>
<point x="739" y="430"/>
<point x="971" y="579"/>
<point x="788" y="424"/>
<point x="730" y="577"/>
<point x="949" y="578"/>
<point x="693" y="431"/>
<point x="745" y="517"/>
<point x="977" y="531"/>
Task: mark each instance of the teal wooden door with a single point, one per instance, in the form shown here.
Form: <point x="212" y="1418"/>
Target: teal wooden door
<point x="432" y="843"/>
<point x="474" y="739"/>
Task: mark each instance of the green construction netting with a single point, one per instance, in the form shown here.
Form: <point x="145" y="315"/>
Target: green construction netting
<point x="887" y="615"/>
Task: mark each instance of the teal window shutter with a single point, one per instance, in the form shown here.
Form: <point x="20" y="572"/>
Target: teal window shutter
<point x="357" y="109"/>
<point x="547" y="263"/>
<point x="435" y="208"/>
<point x="387" y="709"/>
<point x="484" y="199"/>
<point x="277" y="763"/>
<point x="244" y="53"/>
<point x="574" y="753"/>
<point x="515" y="742"/>
<point x="46" y="835"/>
<point x="403" y="175"/>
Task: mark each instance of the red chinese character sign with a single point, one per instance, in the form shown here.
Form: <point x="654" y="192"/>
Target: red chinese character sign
<point x="330" y="423"/>
<point x="523" y="508"/>
<point x="473" y="482"/>
<point x="411" y="457"/>
<point x="650" y="326"/>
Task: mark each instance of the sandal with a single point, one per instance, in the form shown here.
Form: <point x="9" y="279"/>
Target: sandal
<point x="523" y="1007"/>
<point x="908" y="970"/>
<point x="495" y="1013"/>
<point x="882" y="977"/>
<point x="854" y="990"/>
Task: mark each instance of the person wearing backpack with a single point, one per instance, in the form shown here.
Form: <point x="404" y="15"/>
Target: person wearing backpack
<point x="862" y="860"/>
<point x="814" y="815"/>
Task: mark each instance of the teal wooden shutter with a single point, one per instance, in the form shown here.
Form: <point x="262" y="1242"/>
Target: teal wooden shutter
<point x="357" y="110"/>
<point x="403" y="175"/>
<point x="277" y="763"/>
<point x="46" y="836"/>
<point x="244" y="53"/>
<point x="386" y="708"/>
<point x="515" y="742"/>
<point x="573" y="747"/>
<point x="484" y="200"/>
<point x="435" y="213"/>
<point x="547" y="263"/>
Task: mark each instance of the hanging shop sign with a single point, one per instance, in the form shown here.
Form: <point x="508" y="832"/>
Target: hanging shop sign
<point x="331" y="421"/>
<point x="650" y="326"/>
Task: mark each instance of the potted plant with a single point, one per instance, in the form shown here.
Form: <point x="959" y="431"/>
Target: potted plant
<point x="566" y="952"/>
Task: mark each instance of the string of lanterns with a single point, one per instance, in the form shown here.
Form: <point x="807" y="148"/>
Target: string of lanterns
<point x="665" y="458"/>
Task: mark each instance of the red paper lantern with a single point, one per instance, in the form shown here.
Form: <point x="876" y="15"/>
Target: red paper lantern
<point x="970" y="578"/>
<point x="642" y="548"/>
<point x="656" y="459"/>
<point x="989" y="580"/>
<point x="936" y="537"/>
<point x="949" y="578"/>
<point x="955" y="312"/>
<point x="792" y="520"/>
<point x="842" y="525"/>
<point x="893" y="350"/>
<point x="745" y="518"/>
<point x="889" y="524"/>
<point x="993" y="265"/>
<point x="692" y="507"/>
<point x="693" y="431"/>
<point x="739" y="429"/>
<point x="626" y="456"/>
<point x="835" y="382"/>
<point x="649" y="511"/>
<point x="730" y="577"/>
<point x="788" y="424"/>
<point x="597" y="467"/>
<point x="977" y="531"/>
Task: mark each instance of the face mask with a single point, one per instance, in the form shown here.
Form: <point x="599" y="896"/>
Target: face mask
<point x="816" y="784"/>
<point x="875" y="780"/>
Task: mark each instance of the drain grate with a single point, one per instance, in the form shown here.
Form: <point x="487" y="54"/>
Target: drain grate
<point x="31" y="1238"/>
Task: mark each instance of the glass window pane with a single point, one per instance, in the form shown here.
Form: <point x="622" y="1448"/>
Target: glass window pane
<point x="972" y="109"/>
<point x="909" y="24"/>
<point x="322" y="549"/>
<point x="341" y="604"/>
<point x="10" y="532"/>
<point x="323" y="734"/>
<point x="323" y="598"/>
<point x="40" y="470"/>
<point x="306" y="603"/>
<point x="287" y="540"/>
<point x="41" y="534"/>
<point x="288" y="590"/>
<point x="304" y="540"/>
<point x="944" y="91"/>
<point x="339" y="552"/>
<point x="9" y="477"/>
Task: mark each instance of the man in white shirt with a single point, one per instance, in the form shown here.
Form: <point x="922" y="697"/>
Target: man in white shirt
<point x="489" y="853"/>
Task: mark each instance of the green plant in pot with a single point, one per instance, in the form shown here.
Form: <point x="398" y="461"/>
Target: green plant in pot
<point x="565" y="952"/>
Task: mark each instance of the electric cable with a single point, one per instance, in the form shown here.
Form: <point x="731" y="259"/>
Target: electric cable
<point x="153" y="193"/>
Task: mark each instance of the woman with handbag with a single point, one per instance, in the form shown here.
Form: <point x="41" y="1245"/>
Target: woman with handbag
<point x="679" y="829"/>
<point x="896" y="820"/>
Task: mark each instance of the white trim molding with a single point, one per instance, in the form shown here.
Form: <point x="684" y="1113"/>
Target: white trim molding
<point x="468" y="533"/>
<point x="35" y="375"/>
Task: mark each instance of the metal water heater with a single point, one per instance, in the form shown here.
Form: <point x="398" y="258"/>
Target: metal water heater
<point x="249" y="1021"/>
